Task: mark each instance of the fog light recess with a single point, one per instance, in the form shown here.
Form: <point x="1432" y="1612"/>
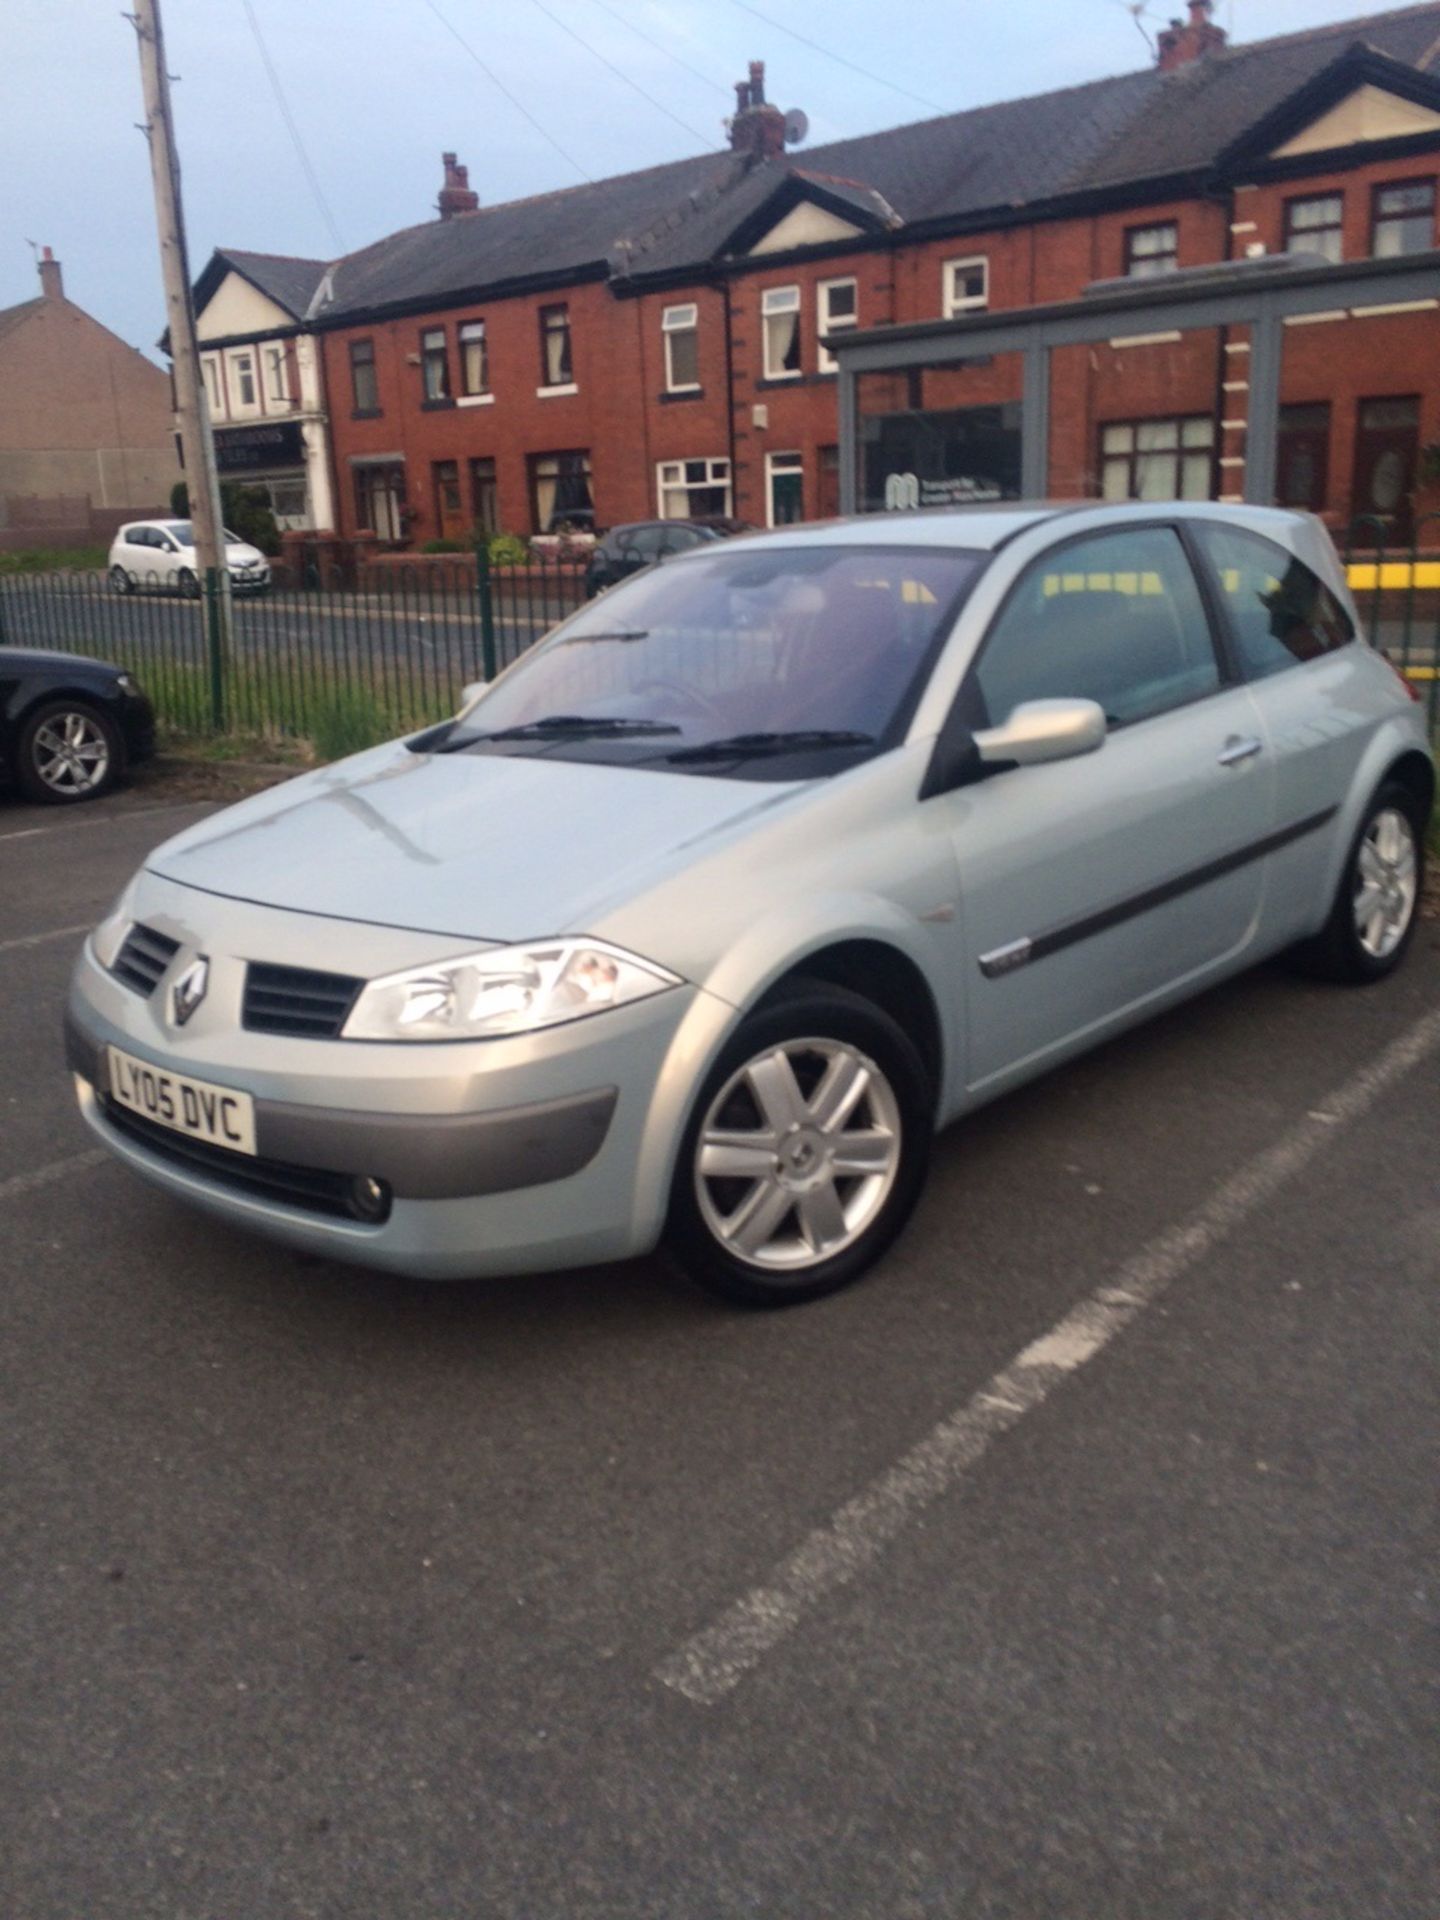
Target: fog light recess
<point x="370" y="1198"/>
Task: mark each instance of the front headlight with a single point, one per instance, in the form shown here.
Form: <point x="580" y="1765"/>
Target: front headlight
<point x="506" y="990"/>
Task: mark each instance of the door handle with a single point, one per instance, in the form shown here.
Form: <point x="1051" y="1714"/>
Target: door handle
<point x="1237" y="751"/>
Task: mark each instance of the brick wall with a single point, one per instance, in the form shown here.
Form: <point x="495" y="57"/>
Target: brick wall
<point x="622" y="415"/>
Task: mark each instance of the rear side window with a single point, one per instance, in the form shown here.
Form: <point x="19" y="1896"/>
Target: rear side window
<point x="1280" y="612"/>
<point x="1117" y="618"/>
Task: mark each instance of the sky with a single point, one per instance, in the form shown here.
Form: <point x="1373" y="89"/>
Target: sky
<point x="377" y="89"/>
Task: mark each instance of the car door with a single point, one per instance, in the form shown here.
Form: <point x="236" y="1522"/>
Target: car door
<point x="138" y="557"/>
<point x="1292" y="639"/>
<point x="169" y="556"/>
<point x="1093" y="885"/>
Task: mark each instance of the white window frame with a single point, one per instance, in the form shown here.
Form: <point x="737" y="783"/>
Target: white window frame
<point x="214" y="384"/>
<point x="683" y="319"/>
<point x="825" y="361"/>
<point x="775" y="301"/>
<point x="670" y="477"/>
<point x="953" y="303"/>
<point x="792" y="461"/>
<point x="467" y="332"/>
<point x="275" y="378"/>
<point x="240" y="407"/>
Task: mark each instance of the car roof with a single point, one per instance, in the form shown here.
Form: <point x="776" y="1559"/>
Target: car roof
<point x="990" y="526"/>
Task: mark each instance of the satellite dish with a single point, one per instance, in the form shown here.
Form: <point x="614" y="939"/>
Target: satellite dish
<point x="797" y="125"/>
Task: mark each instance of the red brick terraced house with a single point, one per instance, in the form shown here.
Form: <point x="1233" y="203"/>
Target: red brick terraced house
<point x="653" y="344"/>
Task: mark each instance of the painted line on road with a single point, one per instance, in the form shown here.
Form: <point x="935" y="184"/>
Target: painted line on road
<point x="46" y="1176"/>
<point x="712" y="1663"/>
<point x="39" y="939"/>
<point x="110" y="819"/>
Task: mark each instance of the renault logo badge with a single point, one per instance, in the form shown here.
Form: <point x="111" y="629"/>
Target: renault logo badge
<point x="189" y="990"/>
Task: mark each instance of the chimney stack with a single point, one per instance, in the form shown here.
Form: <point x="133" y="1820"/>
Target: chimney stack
<point x="758" y="128"/>
<point x="1184" y="41"/>
<point x="455" y="195"/>
<point x="51" y="284"/>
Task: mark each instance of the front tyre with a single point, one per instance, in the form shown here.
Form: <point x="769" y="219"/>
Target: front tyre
<point x="805" y="1153"/>
<point x="1376" y="906"/>
<point x="68" y="751"/>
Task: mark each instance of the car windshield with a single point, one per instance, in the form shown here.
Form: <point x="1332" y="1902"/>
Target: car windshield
<point x="753" y="655"/>
<point x="183" y="533"/>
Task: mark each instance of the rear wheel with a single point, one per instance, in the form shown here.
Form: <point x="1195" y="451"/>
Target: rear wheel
<point x="68" y="751"/>
<point x="1372" y="920"/>
<point x="120" y="581"/>
<point x="806" y="1151"/>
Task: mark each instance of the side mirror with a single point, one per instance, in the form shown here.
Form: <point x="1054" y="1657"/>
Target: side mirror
<point x="472" y="692"/>
<point x="1040" y="730"/>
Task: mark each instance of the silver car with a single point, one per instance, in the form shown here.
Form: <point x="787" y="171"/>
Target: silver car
<point x="697" y="923"/>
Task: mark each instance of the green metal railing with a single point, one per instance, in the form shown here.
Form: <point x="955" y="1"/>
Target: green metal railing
<point x="1397" y="590"/>
<point x="347" y="654"/>
<point x="368" y="651"/>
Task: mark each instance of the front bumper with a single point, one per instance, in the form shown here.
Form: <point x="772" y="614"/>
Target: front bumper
<point x="501" y="1156"/>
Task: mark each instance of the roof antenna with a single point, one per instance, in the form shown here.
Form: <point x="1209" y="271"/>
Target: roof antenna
<point x="1137" y="9"/>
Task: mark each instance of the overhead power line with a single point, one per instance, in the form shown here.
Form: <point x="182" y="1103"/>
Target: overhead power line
<point x="706" y="139"/>
<point x="514" y="99"/>
<point x="654" y="45"/>
<point x="840" y="60"/>
<point x="289" y="119"/>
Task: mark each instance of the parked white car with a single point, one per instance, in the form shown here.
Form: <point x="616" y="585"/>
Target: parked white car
<point x="159" y="555"/>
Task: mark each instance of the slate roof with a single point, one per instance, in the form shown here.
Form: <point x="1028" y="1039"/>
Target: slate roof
<point x="984" y="164"/>
<point x="288" y="282"/>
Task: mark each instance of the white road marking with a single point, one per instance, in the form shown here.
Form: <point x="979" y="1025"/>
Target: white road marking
<point x="57" y="1170"/>
<point x="713" y="1662"/>
<point x="39" y="939"/>
<point x="109" y="819"/>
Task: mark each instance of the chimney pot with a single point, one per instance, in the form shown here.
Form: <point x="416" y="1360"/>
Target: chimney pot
<point x="52" y="284"/>
<point x="1184" y="41"/>
<point x="758" y="128"/>
<point x="456" y="195"/>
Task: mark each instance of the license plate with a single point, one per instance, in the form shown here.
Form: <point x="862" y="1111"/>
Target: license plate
<point x="218" y="1115"/>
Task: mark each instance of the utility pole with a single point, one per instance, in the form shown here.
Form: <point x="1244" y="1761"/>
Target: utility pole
<point x="197" y="443"/>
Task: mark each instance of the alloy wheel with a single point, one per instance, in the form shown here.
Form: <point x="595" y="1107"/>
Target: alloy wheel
<point x="1386" y="883"/>
<point x="70" y="753"/>
<point x="797" y="1154"/>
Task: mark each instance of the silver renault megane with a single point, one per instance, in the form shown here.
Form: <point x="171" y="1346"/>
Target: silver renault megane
<point x="697" y="923"/>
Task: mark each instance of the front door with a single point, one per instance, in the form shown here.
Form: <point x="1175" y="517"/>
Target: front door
<point x="449" y="512"/>
<point x="1387" y="448"/>
<point x="786" y="475"/>
<point x="1093" y="885"/>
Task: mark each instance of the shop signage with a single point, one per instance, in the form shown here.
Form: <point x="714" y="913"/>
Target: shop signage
<point x="256" y="449"/>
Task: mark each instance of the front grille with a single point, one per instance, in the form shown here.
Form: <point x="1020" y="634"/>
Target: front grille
<point x="143" y="958"/>
<point x="293" y="1000"/>
<point x="308" y="1188"/>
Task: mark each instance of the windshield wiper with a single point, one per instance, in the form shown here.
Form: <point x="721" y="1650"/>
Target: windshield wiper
<point x="572" y="726"/>
<point x="619" y="633"/>
<point x="744" y="746"/>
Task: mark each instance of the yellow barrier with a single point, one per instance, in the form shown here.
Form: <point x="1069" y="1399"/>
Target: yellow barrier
<point x="1392" y="575"/>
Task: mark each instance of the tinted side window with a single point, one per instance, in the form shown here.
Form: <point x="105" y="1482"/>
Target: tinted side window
<point x="1117" y="618"/>
<point x="139" y="537"/>
<point x="644" y="542"/>
<point x="1281" y="613"/>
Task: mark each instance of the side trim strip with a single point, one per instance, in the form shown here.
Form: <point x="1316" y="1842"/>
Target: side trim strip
<point x="1019" y="953"/>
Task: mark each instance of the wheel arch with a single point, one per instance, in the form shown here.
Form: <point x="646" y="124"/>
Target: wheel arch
<point x="1416" y="771"/>
<point x="886" y="976"/>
